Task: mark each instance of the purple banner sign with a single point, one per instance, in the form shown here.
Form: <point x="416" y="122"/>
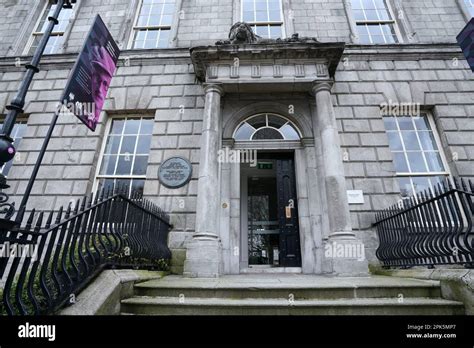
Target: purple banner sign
<point x="466" y="41"/>
<point x="90" y="78"/>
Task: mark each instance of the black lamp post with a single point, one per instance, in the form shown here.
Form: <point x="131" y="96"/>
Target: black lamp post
<point x="7" y="150"/>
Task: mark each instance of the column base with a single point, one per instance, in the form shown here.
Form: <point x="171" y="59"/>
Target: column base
<point x="203" y="257"/>
<point x="344" y="255"/>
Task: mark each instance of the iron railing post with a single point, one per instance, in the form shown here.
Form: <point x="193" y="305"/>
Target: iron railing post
<point x="71" y="249"/>
<point x="435" y="227"/>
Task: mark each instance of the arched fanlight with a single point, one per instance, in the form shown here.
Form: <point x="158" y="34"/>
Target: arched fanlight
<point x="267" y="127"/>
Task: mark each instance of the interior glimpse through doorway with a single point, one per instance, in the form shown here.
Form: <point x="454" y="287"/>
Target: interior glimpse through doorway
<point x="271" y="231"/>
<point x="263" y="226"/>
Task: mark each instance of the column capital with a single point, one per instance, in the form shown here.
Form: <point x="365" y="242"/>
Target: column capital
<point x="319" y="86"/>
<point x="214" y="87"/>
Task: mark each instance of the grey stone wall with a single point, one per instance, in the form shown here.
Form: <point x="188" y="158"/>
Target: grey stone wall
<point x="202" y="22"/>
<point x="72" y="151"/>
<point x="212" y="17"/>
<point x="165" y="91"/>
<point x="324" y="19"/>
<point x="444" y="88"/>
<point x="13" y="14"/>
<point x="435" y="20"/>
<point x="161" y="84"/>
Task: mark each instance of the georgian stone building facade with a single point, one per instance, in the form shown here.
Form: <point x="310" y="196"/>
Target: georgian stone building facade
<point x="377" y="106"/>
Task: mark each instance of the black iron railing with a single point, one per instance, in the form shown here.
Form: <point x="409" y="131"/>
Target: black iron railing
<point x="433" y="228"/>
<point x="48" y="260"/>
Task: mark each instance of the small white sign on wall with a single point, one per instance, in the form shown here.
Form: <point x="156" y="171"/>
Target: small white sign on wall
<point x="355" y="196"/>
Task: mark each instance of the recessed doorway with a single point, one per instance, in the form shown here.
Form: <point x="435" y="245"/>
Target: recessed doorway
<point x="269" y="221"/>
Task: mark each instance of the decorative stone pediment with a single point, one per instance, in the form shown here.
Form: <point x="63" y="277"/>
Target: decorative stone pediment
<point x="248" y="64"/>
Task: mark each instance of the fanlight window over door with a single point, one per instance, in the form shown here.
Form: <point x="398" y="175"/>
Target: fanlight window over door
<point x="267" y="127"/>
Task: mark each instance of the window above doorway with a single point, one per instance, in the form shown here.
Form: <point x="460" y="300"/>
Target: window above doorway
<point x="265" y="17"/>
<point x="267" y="127"/>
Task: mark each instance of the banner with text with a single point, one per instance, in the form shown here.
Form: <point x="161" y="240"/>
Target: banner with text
<point x="90" y="78"/>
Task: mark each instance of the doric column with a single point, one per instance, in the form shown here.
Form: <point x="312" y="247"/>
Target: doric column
<point x="338" y="207"/>
<point x="203" y="251"/>
<point x="325" y="126"/>
<point x="208" y="198"/>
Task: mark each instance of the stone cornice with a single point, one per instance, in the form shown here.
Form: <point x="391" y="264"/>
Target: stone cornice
<point x="443" y="51"/>
<point x="127" y="57"/>
<point x="404" y="52"/>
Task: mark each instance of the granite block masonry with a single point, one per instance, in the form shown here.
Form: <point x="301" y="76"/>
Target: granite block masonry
<point x="198" y="94"/>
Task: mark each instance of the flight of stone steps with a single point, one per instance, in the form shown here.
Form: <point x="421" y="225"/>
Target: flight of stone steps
<point x="289" y="294"/>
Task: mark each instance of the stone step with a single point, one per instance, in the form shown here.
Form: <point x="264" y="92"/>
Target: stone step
<point x="144" y="305"/>
<point x="295" y="293"/>
<point x="274" y="294"/>
<point x="299" y="288"/>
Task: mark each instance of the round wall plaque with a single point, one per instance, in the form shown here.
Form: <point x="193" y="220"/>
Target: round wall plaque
<point x="175" y="172"/>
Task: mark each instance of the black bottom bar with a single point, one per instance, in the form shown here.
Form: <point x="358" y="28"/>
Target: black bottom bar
<point x="455" y="331"/>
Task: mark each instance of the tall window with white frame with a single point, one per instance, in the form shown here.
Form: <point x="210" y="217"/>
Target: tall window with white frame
<point x="153" y="24"/>
<point x="470" y="6"/>
<point x="417" y="155"/>
<point x="125" y="155"/>
<point x="17" y="134"/>
<point x="56" y="39"/>
<point x="375" y="22"/>
<point x="265" y="17"/>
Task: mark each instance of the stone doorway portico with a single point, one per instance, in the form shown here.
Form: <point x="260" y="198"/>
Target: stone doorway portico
<point x="241" y="80"/>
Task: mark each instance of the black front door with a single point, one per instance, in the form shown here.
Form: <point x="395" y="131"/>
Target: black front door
<point x="290" y="253"/>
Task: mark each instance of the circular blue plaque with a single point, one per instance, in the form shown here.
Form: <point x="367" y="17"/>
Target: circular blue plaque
<point x="175" y="172"/>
